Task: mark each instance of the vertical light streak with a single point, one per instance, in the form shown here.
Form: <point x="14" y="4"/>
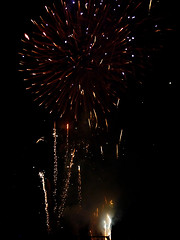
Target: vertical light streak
<point x="41" y="175"/>
<point x="106" y="123"/>
<point x="117" y="151"/>
<point x="96" y="118"/>
<point x="67" y="127"/>
<point x="150" y="4"/>
<point x="55" y="167"/>
<point x="67" y="144"/>
<point x="107" y="226"/>
<point x="79" y="186"/>
<point x="97" y="212"/>
<point x="102" y="153"/>
<point x="66" y="187"/>
<point x="120" y="137"/>
<point x="67" y="139"/>
<point x="89" y="122"/>
<point x="109" y="221"/>
<point x="101" y="149"/>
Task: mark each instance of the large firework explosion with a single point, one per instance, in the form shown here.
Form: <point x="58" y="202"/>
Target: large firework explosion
<point x="84" y="54"/>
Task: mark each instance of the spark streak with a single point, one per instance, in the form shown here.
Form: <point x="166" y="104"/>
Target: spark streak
<point x="102" y="153"/>
<point x="120" y="137"/>
<point x="150" y="4"/>
<point x="55" y="167"/>
<point x="106" y="123"/>
<point x="101" y="148"/>
<point x="66" y="187"/>
<point x="41" y="139"/>
<point x="67" y="144"/>
<point x="41" y="175"/>
<point x="117" y="151"/>
<point x="67" y="127"/>
<point x="79" y="186"/>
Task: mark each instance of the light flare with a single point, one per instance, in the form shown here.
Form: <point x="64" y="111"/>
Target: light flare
<point x="107" y="226"/>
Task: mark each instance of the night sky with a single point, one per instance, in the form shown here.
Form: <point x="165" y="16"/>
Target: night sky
<point x="147" y="174"/>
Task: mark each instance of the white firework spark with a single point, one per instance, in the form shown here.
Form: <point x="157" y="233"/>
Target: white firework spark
<point x="41" y="175"/>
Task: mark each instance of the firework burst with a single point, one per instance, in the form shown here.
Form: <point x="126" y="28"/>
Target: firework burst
<point x="81" y="54"/>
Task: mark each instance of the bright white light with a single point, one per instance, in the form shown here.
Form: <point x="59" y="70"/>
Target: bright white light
<point x="107" y="226"/>
<point x="26" y="36"/>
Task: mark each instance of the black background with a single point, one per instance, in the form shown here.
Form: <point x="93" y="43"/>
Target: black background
<point x="149" y="177"/>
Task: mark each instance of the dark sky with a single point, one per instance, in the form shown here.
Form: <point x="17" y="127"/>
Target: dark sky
<point x="148" y="178"/>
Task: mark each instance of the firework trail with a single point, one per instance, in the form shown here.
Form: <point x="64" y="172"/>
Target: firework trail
<point x="117" y="151"/>
<point x="117" y="145"/>
<point x="150" y="5"/>
<point x="41" y="139"/>
<point x="79" y="186"/>
<point x="55" y="167"/>
<point x="41" y="175"/>
<point x="120" y="136"/>
<point x="102" y="152"/>
<point x="106" y="121"/>
<point x="67" y="144"/>
<point x="66" y="188"/>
